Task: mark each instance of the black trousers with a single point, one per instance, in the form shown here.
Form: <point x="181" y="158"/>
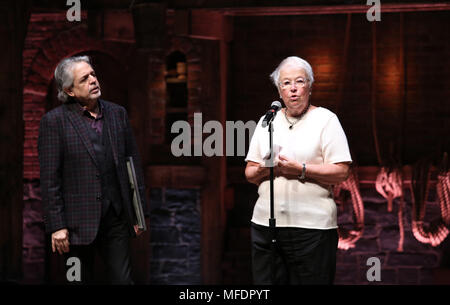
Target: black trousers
<point x="112" y="245"/>
<point x="301" y="256"/>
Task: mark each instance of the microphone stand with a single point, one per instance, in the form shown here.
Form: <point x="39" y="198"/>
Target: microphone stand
<point x="272" y="220"/>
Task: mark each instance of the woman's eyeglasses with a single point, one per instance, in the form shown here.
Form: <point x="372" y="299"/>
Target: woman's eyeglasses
<point x="287" y="84"/>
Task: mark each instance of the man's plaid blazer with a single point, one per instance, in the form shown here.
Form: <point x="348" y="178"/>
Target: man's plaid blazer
<point x="70" y="178"/>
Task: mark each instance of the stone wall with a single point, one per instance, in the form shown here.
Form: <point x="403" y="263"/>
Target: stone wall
<point x="416" y="264"/>
<point x="33" y="235"/>
<point x="175" y="237"/>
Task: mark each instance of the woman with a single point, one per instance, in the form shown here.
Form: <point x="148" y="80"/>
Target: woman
<point x="311" y="154"/>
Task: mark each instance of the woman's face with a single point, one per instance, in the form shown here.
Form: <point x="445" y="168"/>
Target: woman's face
<point x="294" y="88"/>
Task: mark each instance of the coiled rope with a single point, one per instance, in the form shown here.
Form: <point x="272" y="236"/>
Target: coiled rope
<point x="348" y="238"/>
<point x="389" y="184"/>
<point x="437" y="230"/>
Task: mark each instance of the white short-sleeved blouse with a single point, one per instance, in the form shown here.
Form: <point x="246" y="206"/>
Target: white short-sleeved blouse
<point x="318" y="138"/>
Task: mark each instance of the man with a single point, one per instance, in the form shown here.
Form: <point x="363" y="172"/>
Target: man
<point x="84" y="180"/>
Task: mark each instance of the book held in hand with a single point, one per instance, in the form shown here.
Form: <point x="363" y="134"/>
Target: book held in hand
<point x="136" y="198"/>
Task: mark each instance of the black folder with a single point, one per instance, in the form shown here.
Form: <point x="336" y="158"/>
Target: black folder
<point x="136" y="198"/>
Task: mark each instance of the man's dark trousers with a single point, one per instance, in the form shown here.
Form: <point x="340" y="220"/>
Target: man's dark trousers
<point x="112" y="244"/>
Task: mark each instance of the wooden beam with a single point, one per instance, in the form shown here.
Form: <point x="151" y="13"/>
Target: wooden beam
<point x="211" y="24"/>
<point x="329" y="10"/>
<point x="169" y="176"/>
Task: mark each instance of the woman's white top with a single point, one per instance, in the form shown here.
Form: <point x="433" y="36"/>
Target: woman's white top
<point x="318" y="138"/>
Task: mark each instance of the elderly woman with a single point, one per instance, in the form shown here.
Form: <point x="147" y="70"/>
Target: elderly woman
<point x="311" y="154"/>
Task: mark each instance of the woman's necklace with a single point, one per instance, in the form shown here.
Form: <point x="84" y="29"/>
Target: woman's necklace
<point x="298" y="118"/>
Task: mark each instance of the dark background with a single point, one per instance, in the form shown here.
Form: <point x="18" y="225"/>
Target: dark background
<point x="387" y="81"/>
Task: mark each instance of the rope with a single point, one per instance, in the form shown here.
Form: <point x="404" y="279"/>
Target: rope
<point x="389" y="185"/>
<point x="348" y="238"/>
<point x="401" y="225"/>
<point x="443" y="192"/>
<point x="373" y="97"/>
<point x="443" y="189"/>
<point x="344" y="64"/>
<point x="437" y="231"/>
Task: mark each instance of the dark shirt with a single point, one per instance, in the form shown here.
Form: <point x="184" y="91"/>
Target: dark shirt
<point x="95" y="123"/>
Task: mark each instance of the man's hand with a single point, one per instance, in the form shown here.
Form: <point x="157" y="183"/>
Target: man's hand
<point x="60" y="241"/>
<point x="137" y="230"/>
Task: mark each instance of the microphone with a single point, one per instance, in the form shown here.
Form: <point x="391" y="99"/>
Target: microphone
<point x="271" y="113"/>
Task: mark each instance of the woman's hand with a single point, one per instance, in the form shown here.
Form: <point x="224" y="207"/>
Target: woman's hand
<point x="288" y="167"/>
<point x="255" y="173"/>
<point x="327" y="174"/>
<point x="322" y="173"/>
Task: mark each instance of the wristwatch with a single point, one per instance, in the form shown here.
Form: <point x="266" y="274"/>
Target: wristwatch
<point x="303" y="175"/>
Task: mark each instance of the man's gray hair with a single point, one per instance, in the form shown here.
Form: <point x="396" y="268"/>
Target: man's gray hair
<point x="64" y="75"/>
<point x="295" y="61"/>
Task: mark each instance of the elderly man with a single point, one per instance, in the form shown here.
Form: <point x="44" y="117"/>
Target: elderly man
<point x="84" y="180"/>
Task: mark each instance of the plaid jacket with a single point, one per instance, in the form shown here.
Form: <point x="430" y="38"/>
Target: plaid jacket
<point x="70" y="178"/>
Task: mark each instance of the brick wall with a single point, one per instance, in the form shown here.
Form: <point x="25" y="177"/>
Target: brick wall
<point x="260" y="43"/>
<point x="412" y="113"/>
<point x="38" y="52"/>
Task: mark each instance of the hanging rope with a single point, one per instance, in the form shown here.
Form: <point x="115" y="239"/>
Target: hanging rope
<point x="373" y="96"/>
<point x="443" y="190"/>
<point x="348" y="238"/>
<point x="401" y="225"/>
<point x="437" y="231"/>
<point x="344" y="67"/>
<point x="402" y="89"/>
<point x="389" y="185"/>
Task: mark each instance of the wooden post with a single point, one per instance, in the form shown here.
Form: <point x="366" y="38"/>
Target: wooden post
<point x="214" y="33"/>
<point x="13" y="24"/>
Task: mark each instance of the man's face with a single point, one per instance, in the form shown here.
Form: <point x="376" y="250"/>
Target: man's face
<point x="85" y="84"/>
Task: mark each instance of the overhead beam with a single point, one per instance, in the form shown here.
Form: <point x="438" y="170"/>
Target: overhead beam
<point x="328" y="10"/>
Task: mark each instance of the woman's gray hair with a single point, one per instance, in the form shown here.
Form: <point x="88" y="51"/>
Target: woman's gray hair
<point x="295" y="61"/>
<point x="64" y="75"/>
